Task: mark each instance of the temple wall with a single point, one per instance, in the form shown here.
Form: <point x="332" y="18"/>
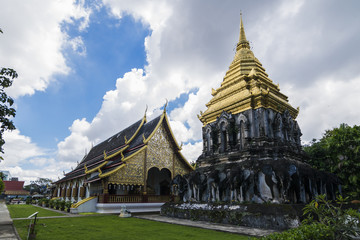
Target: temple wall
<point x="249" y="129"/>
<point x="132" y="173"/>
<point x="161" y="154"/>
<point x="160" y="151"/>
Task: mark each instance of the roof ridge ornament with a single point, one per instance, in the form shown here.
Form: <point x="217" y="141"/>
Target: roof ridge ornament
<point x="165" y="105"/>
<point x="252" y="73"/>
<point x="145" y="112"/>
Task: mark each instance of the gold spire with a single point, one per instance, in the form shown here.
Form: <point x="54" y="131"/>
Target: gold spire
<point x="243" y="43"/>
<point x="246" y="86"/>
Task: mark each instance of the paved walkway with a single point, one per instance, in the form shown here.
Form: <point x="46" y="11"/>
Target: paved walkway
<point x="256" y="232"/>
<point x="7" y="230"/>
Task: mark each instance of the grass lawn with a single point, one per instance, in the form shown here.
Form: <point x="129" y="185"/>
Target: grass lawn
<point x="23" y="211"/>
<point x="112" y="227"/>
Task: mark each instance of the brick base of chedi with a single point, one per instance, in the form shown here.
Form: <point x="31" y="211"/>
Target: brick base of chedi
<point x="251" y="144"/>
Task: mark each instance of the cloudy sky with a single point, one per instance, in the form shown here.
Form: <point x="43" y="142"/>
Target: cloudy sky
<point x="87" y="69"/>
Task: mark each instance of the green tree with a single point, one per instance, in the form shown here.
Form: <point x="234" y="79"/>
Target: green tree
<point x="2" y="185"/>
<point x="6" y="111"/>
<point x="338" y="151"/>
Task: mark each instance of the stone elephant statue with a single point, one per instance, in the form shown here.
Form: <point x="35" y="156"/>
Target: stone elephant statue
<point x="182" y="187"/>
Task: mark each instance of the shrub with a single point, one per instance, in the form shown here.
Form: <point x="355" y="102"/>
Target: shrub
<point x="46" y="202"/>
<point x="314" y="231"/>
<point x="68" y="204"/>
<point x="324" y="220"/>
<point x="39" y="201"/>
<point x="62" y="205"/>
<point x="51" y="203"/>
<point x="57" y="203"/>
<point x="344" y="222"/>
<point x="28" y="200"/>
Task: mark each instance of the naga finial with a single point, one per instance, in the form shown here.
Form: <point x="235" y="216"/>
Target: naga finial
<point x="144" y="139"/>
<point x="165" y="105"/>
<point x="145" y="112"/>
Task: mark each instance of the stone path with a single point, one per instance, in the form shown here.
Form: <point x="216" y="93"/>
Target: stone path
<point x="256" y="232"/>
<point x="7" y="230"/>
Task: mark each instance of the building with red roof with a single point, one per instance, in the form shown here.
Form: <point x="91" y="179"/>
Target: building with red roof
<point x="15" y="188"/>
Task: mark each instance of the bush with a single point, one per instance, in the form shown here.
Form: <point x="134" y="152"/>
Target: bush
<point x="28" y="200"/>
<point x="68" y="204"/>
<point x="51" y="203"/>
<point x="57" y="203"/>
<point x="314" y="231"/>
<point x="344" y="222"/>
<point x="62" y="205"/>
<point x="46" y="202"/>
<point x="39" y="202"/>
<point x="324" y="220"/>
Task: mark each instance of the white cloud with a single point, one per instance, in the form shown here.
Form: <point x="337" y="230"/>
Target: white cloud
<point x="18" y="148"/>
<point x="26" y="160"/>
<point x="192" y="151"/>
<point x="77" y="45"/>
<point x="75" y="146"/>
<point x="326" y="104"/>
<point x="34" y="41"/>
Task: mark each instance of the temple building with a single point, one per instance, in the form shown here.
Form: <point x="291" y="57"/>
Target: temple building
<point x="246" y="111"/>
<point x="135" y="166"/>
<point x="14" y="189"/>
<point x="251" y="143"/>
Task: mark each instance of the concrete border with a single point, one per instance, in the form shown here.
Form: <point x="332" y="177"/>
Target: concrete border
<point x="255" y="232"/>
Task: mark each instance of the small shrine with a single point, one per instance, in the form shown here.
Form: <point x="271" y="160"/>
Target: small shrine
<point x="136" y="165"/>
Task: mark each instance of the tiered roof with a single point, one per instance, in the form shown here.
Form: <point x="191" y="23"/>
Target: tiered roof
<point x="15" y="188"/>
<point x="246" y="85"/>
<point x="110" y="155"/>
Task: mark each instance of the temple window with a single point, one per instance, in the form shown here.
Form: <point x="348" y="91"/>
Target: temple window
<point x="242" y="135"/>
<point x="208" y="141"/>
<point x="223" y="137"/>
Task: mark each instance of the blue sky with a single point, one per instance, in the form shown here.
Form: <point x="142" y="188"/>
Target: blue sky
<point x="112" y="48"/>
<point x="88" y="69"/>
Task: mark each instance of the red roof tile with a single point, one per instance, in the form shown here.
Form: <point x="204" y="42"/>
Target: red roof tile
<point x="14" y="185"/>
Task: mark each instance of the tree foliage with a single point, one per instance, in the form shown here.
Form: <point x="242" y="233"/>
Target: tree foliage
<point x="40" y="186"/>
<point x="2" y="186"/>
<point x="6" y="111"/>
<point x="324" y="219"/>
<point x="338" y="151"/>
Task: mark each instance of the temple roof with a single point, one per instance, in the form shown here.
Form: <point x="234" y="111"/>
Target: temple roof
<point x="14" y="188"/>
<point x="111" y="154"/>
<point x="13" y="185"/>
<point x="245" y="86"/>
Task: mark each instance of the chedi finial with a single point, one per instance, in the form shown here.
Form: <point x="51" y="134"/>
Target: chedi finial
<point x="243" y="43"/>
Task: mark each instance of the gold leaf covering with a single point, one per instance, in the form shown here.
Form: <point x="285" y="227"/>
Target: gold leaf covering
<point x="245" y="86"/>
